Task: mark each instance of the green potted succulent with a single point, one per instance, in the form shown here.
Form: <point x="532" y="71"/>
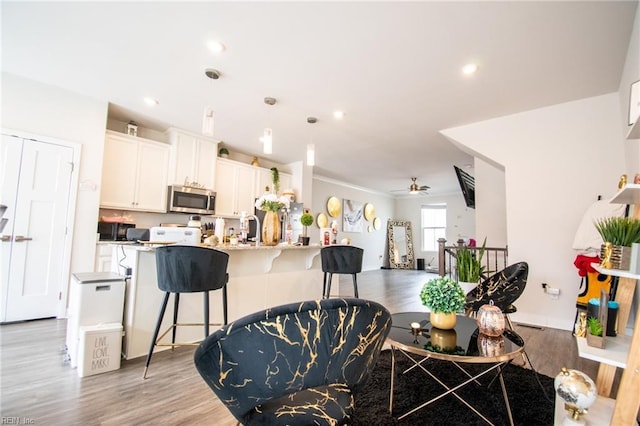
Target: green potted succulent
<point x="618" y="234"/>
<point x="445" y="298"/>
<point x="223" y="152"/>
<point x="306" y="220"/>
<point x="469" y="264"/>
<point x="595" y="333"/>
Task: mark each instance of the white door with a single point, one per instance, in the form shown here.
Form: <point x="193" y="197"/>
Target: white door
<point x="34" y="239"/>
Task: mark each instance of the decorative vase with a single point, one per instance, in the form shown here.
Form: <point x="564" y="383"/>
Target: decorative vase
<point x="271" y="229"/>
<point x="618" y="256"/>
<point x="443" y="321"/>
<point x="467" y="287"/>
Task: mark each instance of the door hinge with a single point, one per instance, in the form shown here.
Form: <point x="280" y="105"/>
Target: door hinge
<point x="59" y="295"/>
<point x="72" y="166"/>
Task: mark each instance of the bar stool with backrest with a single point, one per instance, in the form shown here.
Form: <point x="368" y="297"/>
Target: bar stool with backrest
<point x="188" y="269"/>
<point x="340" y="259"/>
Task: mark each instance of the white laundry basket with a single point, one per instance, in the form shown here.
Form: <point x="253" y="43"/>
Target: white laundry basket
<point x="100" y="349"/>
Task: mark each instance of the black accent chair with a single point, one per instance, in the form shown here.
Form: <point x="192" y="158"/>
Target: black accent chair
<point x="295" y="364"/>
<point x="188" y="269"/>
<point x="340" y="260"/>
<point x="503" y="288"/>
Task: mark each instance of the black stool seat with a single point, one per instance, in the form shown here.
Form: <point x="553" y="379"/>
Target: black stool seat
<point x="340" y="260"/>
<point x="188" y="269"/>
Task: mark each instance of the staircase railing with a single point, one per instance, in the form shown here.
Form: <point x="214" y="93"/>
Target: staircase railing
<point x="494" y="259"/>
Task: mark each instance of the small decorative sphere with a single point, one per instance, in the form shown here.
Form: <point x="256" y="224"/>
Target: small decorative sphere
<point x="346" y="241"/>
<point x="576" y="389"/>
<point x="490" y="320"/>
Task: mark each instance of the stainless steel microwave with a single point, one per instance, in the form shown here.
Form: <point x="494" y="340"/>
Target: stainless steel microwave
<point x="186" y="199"/>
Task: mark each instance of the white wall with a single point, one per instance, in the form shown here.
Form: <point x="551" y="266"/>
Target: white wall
<point x="491" y="204"/>
<point x="460" y="220"/>
<point x="54" y="112"/>
<point x="557" y="160"/>
<point x="373" y="242"/>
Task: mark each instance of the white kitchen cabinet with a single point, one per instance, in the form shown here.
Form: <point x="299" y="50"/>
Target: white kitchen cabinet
<point x="263" y="180"/>
<point x="134" y="175"/>
<point x="104" y="254"/>
<point x="192" y="159"/>
<point x="235" y="188"/>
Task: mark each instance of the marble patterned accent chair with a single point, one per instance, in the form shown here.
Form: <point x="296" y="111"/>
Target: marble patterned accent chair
<point x="295" y="364"/>
<point x="340" y="259"/>
<point x="503" y="287"/>
<point x="188" y="269"/>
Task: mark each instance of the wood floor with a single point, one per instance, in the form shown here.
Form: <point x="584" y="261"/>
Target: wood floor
<point x="37" y="385"/>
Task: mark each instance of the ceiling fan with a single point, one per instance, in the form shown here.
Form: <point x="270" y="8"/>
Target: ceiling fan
<point x="414" y="188"/>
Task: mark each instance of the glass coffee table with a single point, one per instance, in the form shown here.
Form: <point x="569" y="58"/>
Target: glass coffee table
<point x="462" y="345"/>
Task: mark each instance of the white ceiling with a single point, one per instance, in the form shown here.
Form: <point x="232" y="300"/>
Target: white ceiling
<point x="393" y="67"/>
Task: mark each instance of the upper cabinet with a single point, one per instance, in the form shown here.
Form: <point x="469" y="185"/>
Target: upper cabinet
<point x="192" y="160"/>
<point x="134" y="175"/>
<point x="235" y="188"/>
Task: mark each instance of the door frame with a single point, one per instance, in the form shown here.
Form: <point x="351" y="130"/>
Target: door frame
<point x="71" y="208"/>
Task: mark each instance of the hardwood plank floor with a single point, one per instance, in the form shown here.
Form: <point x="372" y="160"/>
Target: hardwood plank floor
<point x="38" y="385"/>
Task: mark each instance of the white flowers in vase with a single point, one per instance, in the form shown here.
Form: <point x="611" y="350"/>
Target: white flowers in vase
<point x="272" y="203"/>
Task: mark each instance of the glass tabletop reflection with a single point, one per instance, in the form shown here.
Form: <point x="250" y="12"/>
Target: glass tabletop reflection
<point x="464" y="343"/>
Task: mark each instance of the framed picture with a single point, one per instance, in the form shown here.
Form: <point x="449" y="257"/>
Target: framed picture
<point x="352" y="216"/>
<point x="634" y="102"/>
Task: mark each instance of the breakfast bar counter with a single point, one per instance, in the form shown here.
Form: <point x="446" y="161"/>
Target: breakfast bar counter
<point x="259" y="277"/>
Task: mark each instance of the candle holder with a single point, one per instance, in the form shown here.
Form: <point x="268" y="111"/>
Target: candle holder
<point x="416" y="330"/>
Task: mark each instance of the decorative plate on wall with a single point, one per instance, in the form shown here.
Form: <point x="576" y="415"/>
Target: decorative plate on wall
<point x="376" y="223"/>
<point x="322" y="220"/>
<point x="369" y="212"/>
<point x="334" y="206"/>
<point x="369" y="228"/>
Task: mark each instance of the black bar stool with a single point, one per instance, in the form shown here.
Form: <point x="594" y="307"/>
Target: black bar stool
<point x="340" y="260"/>
<point x="188" y="269"/>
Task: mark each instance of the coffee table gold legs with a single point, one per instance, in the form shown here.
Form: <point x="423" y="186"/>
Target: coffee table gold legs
<point x="449" y="390"/>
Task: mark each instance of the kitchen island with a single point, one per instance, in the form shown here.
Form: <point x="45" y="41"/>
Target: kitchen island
<point x="259" y="277"/>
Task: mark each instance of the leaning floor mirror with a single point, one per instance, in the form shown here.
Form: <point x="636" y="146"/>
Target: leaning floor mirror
<point x="400" y="243"/>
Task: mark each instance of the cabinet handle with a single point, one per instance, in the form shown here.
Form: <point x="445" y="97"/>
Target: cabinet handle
<point x="5" y="238"/>
<point x="20" y="238"/>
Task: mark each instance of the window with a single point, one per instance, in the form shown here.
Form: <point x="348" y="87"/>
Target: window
<point x="434" y="225"/>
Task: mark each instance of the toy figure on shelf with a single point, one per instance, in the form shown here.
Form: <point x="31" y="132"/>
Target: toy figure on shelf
<point x="581" y="325"/>
<point x="623" y="181"/>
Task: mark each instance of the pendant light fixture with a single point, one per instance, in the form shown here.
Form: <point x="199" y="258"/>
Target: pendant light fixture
<point x="267" y="134"/>
<point x="208" y="113"/>
<point x="311" y="148"/>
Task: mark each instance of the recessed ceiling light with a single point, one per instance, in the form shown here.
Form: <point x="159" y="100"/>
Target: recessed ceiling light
<point x="469" y="69"/>
<point x="151" y="101"/>
<point x="216" y="47"/>
<point x="339" y="115"/>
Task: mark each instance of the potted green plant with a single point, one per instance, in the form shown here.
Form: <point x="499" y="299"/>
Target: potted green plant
<point x="445" y="298"/>
<point x="306" y="220"/>
<point x="595" y="333"/>
<point x="618" y="234"/>
<point x="469" y="265"/>
<point x="275" y="179"/>
<point x="223" y="152"/>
